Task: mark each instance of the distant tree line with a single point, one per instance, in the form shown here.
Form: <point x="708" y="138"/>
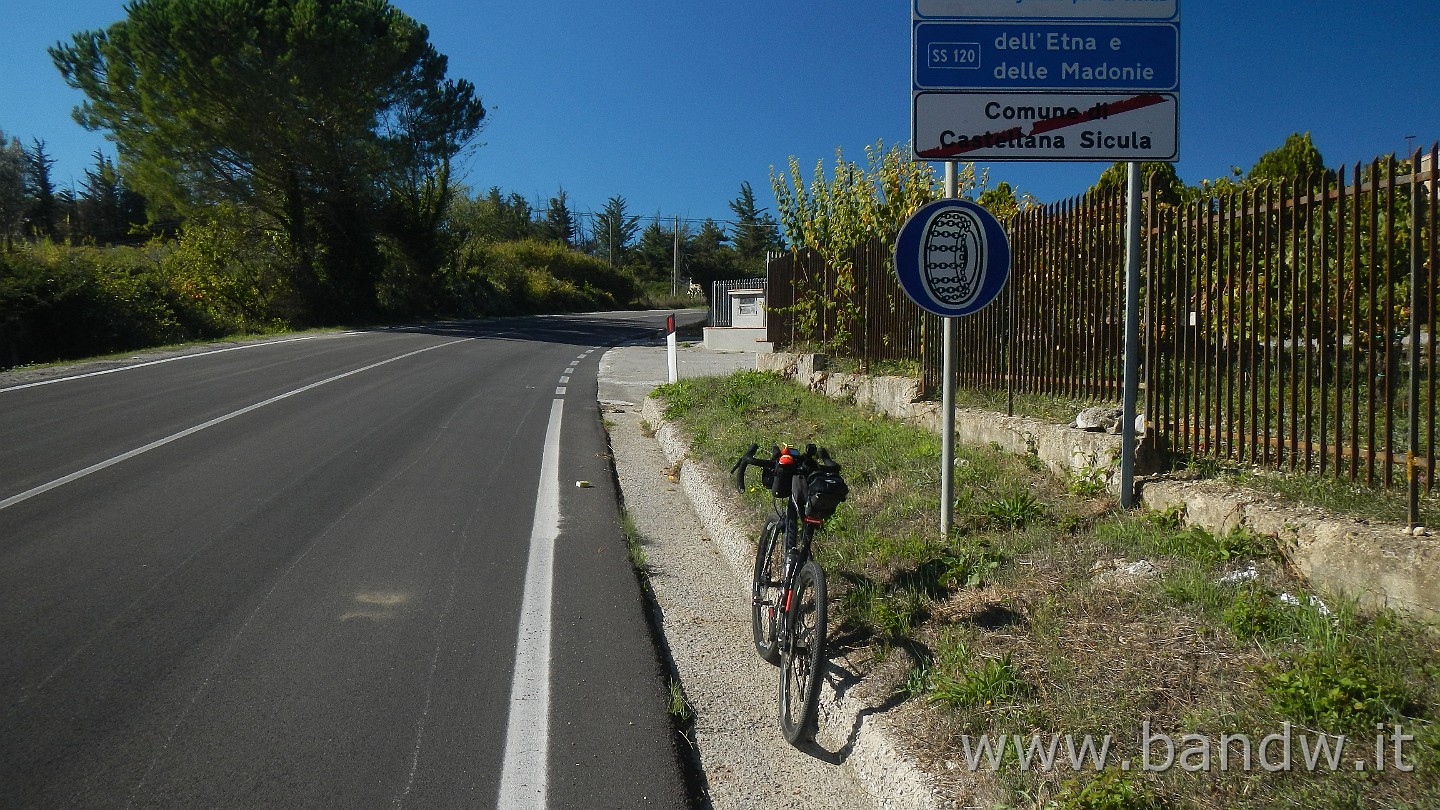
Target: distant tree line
<point x="647" y="246"/>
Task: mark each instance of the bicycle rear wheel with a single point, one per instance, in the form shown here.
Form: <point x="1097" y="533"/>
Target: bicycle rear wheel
<point x="765" y="590"/>
<point x="802" y="660"/>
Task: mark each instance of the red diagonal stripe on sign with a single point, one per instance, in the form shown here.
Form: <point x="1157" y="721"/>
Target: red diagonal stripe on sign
<point x="1096" y="113"/>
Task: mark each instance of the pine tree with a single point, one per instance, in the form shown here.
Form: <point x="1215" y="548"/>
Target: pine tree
<point x="44" y="208"/>
<point x="756" y="232"/>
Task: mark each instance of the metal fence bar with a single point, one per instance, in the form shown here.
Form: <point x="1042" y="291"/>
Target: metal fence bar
<point x="1432" y="189"/>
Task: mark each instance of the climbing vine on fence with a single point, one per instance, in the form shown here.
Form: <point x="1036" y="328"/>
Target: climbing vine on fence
<point x="854" y="205"/>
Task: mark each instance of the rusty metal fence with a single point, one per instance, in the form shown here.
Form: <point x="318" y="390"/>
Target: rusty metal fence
<point x="1291" y="325"/>
<point x="1286" y="326"/>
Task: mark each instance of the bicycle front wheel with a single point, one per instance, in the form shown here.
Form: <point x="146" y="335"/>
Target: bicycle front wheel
<point x="802" y="660"/>
<point x="765" y="590"/>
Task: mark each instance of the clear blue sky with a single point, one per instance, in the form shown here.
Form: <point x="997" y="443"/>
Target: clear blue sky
<point x="672" y="105"/>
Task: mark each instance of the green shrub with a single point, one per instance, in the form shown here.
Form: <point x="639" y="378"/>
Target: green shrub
<point x="59" y="302"/>
<point x="532" y="276"/>
<point x="1336" y="692"/>
<point x="235" y="270"/>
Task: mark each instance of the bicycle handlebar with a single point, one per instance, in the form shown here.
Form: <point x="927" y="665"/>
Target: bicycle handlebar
<point x="812" y="460"/>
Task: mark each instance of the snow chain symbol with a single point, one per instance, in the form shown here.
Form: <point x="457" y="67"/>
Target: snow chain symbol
<point x="952" y="257"/>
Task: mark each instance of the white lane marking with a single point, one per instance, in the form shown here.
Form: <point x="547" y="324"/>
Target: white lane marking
<point x="560" y="392"/>
<point x="523" y="774"/>
<point x="167" y="360"/>
<point x="110" y="462"/>
<point x="564" y="380"/>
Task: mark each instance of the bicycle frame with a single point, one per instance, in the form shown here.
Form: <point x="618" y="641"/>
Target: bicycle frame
<point x="797" y="551"/>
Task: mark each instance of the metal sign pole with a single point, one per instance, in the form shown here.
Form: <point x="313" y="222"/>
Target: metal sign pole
<point x="947" y="397"/>
<point x="1132" y="336"/>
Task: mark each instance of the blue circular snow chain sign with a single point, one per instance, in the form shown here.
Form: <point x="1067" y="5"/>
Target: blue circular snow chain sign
<point x="952" y="258"/>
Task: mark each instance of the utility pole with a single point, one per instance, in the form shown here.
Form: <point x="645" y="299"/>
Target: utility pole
<point x="675" y="274"/>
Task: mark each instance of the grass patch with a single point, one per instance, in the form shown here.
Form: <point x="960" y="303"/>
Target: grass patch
<point x="679" y="706"/>
<point x="634" y="545"/>
<point x="1048" y="612"/>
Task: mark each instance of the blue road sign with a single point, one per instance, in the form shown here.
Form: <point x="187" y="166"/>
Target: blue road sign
<point x="1048" y="9"/>
<point x="952" y="258"/>
<point x="1097" y="57"/>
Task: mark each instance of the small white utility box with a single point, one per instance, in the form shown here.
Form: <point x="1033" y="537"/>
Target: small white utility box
<point x="747" y="309"/>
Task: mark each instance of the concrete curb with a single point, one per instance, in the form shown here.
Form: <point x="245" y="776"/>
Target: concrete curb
<point x="895" y="779"/>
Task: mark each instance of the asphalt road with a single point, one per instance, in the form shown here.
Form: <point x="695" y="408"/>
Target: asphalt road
<point x="295" y="575"/>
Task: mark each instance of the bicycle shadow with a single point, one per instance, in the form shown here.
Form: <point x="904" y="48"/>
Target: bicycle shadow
<point x="841" y="680"/>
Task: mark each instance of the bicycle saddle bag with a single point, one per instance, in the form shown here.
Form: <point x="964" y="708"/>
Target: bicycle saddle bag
<point x="825" y="489"/>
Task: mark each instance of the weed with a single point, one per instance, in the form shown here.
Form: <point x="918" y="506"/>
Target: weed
<point x="1192" y="584"/>
<point x="679" y="706"/>
<point x="680" y="398"/>
<point x="1088" y="482"/>
<point x="891" y="613"/>
<point x="1015" y="510"/>
<point x="856" y="607"/>
<point x="1159" y="534"/>
<point x="1203" y="467"/>
<point x="995" y="681"/>
<point x="739" y="399"/>
<point x="969" y="566"/>
<point x="1244" y="544"/>
<point x="896" y="613"/>
<point x="1172" y="518"/>
<point x="1110" y="790"/>
<point x="634" y="544"/>
<point x="1255" y="613"/>
<point x="917" y="682"/>
<point x="1337" y="693"/>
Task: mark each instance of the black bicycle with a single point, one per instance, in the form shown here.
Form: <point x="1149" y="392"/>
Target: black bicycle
<point x="788" y="597"/>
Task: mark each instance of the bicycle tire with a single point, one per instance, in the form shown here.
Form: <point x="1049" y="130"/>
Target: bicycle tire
<point x="765" y="590"/>
<point x="802" y="660"/>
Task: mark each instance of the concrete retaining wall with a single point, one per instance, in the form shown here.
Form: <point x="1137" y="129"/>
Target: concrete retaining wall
<point x="1064" y="450"/>
<point x="1378" y="565"/>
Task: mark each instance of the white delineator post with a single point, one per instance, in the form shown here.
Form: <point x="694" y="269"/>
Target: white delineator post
<point x="671" y="348"/>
